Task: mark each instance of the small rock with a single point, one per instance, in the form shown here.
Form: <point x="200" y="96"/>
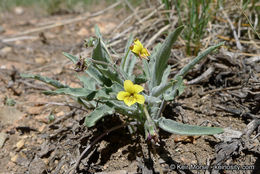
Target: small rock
<point x="18" y="10"/>
<point x="37" y="166"/>
<point x="3" y="137"/>
<point x="20" y="144"/>
<point x="83" y="32"/>
<point x="20" y="159"/>
<point x="40" y="60"/>
<point x="41" y="129"/>
<point x="6" y="50"/>
<point x="14" y="158"/>
<point x="61" y="113"/>
<point x="9" y="114"/>
<point x="34" y="110"/>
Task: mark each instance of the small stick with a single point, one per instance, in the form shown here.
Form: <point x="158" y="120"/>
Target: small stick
<point x="202" y="77"/>
<point x="133" y="10"/>
<point x="151" y="41"/>
<point x="221" y="89"/>
<point x="239" y="46"/>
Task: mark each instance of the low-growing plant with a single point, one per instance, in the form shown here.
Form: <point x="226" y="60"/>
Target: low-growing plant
<point x="109" y="88"/>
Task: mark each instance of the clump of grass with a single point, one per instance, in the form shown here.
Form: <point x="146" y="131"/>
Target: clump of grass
<point x="196" y="20"/>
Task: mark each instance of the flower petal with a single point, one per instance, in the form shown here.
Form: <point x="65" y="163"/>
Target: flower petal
<point x="137" y="88"/>
<point x="144" y="53"/>
<point x="128" y="85"/>
<point x="130" y="100"/>
<point x="122" y="95"/>
<point x="136" y="49"/>
<point x="139" y="98"/>
<point x="138" y="43"/>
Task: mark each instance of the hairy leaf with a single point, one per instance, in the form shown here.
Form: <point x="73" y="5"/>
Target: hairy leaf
<point x="129" y="59"/>
<point x="163" y="55"/>
<point x="75" y="92"/>
<point x="97" y="114"/>
<point x="88" y="82"/>
<point x="185" y="129"/>
<point x="72" y="58"/>
<point x="171" y="94"/>
<point x="47" y="80"/>
<point x="100" y="53"/>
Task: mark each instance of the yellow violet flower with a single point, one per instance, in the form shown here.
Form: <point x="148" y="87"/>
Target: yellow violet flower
<point x="130" y="96"/>
<point x="138" y="49"/>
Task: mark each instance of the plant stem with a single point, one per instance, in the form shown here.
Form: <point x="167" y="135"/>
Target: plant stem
<point x="147" y="114"/>
<point x="123" y="67"/>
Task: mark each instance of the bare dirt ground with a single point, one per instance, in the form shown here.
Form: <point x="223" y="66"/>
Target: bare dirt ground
<point x="228" y="97"/>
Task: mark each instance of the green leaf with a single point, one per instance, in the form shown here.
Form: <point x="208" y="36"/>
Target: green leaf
<point x="164" y="85"/>
<point x="158" y="90"/>
<point x="75" y="92"/>
<point x="129" y="59"/>
<point x="123" y="109"/>
<point x="72" y="58"/>
<point x="88" y="82"/>
<point x="154" y="108"/>
<point x="97" y="114"/>
<point x="140" y="79"/>
<point x="163" y="55"/>
<point x="152" y="99"/>
<point x="100" y="53"/>
<point x="178" y="89"/>
<point x="97" y="32"/>
<point x="190" y="65"/>
<point x="114" y="76"/>
<point x="146" y="69"/>
<point x="171" y="94"/>
<point x="93" y="72"/>
<point x="47" y="80"/>
<point x="185" y="129"/>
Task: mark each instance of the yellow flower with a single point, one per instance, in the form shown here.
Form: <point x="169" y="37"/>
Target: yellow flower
<point x="138" y="49"/>
<point x="130" y="96"/>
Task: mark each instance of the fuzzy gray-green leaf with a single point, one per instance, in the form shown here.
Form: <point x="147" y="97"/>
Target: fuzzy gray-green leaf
<point x="47" y="80"/>
<point x="72" y="58"/>
<point x="100" y="53"/>
<point x="97" y="32"/>
<point x="75" y="92"/>
<point x="202" y="55"/>
<point x="171" y="94"/>
<point x="97" y="114"/>
<point x="98" y="76"/>
<point x="177" y="89"/>
<point x="163" y="55"/>
<point x="130" y="60"/>
<point x="88" y="82"/>
<point x="185" y="129"/>
<point x="158" y="90"/>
